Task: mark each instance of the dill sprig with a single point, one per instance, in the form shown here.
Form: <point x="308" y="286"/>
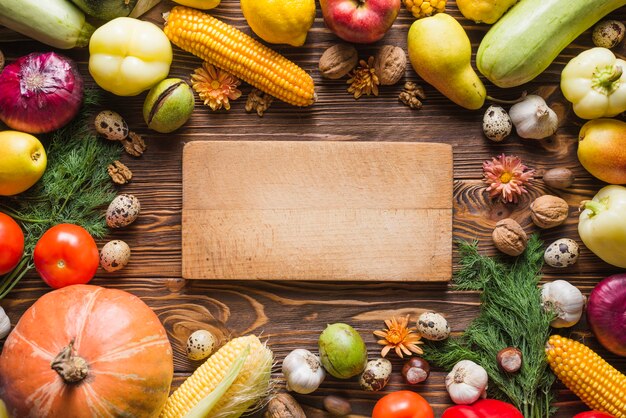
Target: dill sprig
<point x="73" y="189"/>
<point x="510" y="315"/>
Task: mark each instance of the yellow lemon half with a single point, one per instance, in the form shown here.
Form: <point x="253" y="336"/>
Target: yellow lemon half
<point x="280" y="21"/>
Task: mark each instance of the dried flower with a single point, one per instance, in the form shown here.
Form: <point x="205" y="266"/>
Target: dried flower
<point x="399" y="337"/>
<point x="506" y="177"/>
<point x="215" y="87"/>
<point x="364" y="79"/>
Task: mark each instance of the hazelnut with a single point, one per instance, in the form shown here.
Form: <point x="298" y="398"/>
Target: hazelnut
<point x="559" y="178"/>
<point x="415" y="370"/>
<point x="390" y="64"/>
<point x="284" y="405"/>
<point x="338" y="60"/>
<point x="549" y="211"/>
<point x="509" y="237"/>
<point x="168" y="105"/>
<point x="337" y="406"/>
<point x="509" y="359"/>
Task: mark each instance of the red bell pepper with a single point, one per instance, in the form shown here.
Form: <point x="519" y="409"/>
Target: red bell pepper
<point x="484" y="408"/>
<point x="593" y="414"/>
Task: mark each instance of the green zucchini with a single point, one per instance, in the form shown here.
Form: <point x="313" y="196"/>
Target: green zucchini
<point x="54" y="22"/>
<point x="106" y="9"/>
<point x="526" y="40"/>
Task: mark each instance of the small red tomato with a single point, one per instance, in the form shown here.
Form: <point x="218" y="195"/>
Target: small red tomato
<point x="66" y="254"/>
<point x="402" y="404"/>
<point x="11" y="243"/>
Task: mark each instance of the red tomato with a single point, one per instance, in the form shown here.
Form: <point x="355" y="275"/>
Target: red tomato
<point x="593" y="414"/>
<point x="11" y="243"/>
<point x="402" y="404"/>
<point x="66" y="254"/>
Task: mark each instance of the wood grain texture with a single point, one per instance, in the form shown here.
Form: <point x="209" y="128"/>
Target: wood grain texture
<point x="292" y="314"/>
<point x="323" y="210"/>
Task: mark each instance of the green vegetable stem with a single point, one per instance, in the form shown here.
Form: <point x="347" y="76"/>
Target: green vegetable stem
<point x="73" y="189"/>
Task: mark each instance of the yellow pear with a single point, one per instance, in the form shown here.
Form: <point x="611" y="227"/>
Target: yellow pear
<point x="441" y="54"/>
<point x="601" y="145"/>
<point x="22" y="162"/>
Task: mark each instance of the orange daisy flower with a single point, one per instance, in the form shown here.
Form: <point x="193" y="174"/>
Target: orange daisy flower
<point x="400" y="337"/>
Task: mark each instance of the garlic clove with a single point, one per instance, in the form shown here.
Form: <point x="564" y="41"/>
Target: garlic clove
<point x="5" y="324"/>
<point x="565" y="300"/>
<point x="533" y="118"/>
<point x="467" y="382"/>
<point x="303" y="371"/>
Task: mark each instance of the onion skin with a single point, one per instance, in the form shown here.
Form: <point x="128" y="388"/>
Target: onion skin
<point x="606" y="313"/>
<point x="40" y="92"/>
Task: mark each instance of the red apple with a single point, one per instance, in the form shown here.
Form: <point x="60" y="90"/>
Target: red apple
<point x="360" y="21"/>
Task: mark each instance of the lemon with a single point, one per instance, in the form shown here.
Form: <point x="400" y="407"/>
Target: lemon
<point x="280" y="21"/>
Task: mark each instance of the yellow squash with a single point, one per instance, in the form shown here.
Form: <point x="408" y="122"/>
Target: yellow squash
<point x="199" y="4"/>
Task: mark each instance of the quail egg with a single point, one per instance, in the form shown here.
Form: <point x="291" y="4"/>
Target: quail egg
<point x="561" y="253"/>
<point x="497" y="124"/>
<point x="433" y="326"/>
<point x="200" y="345"/>
<point x="376" y="375"/>
<point x="608" y="33"/>
<point x="111" y="125"/>
<point x="114" y="255"/>
<point x="123" y="211"/>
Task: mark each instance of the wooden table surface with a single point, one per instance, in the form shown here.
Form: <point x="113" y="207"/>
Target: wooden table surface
<point x="289" y="314"/>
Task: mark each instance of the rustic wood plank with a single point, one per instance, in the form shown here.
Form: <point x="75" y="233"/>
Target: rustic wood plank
<point x="293" y="313"/>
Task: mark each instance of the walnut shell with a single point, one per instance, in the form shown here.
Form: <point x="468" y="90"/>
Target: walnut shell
<point x="509" y="237"/>
<point x="338" y="60"/>
<point x="390" y="64"/>
<point x="284" y="405"/>
<point x="549" y="211"/>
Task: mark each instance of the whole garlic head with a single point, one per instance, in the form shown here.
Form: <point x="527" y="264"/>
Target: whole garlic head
<point x="303" y="371"/>
<point x="5" y="324"/>
<point x="533" y="118"/>
<point x="565" y="300"/>
<point x="467" y="382"/>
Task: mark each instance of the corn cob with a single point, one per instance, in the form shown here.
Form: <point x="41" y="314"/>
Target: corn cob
<point x="228" y="48"/>
<point x="251" y="384"/>
<point x="593" y="380"/>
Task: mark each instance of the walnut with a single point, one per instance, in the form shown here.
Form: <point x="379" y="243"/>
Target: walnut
<point x="411" y="95"/>
<point x="338" y="60"/>
<point x="119" y="173"/>
<point x="390" y="64"/>
<point x="549" y="211"/>
<point x="509" y="237"/>
<point x="134" y="144"/>
<point x="258" y="102"/>
<point x="284" y="405"/>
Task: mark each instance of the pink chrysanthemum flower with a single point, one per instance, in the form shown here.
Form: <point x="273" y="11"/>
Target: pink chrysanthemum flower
<point x="506" y="176"/>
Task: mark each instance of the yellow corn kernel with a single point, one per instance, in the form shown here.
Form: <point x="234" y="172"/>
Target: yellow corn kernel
<point x="599" y="385"/>
<point x="256" y="372"/>
<point x="228" y="48"/>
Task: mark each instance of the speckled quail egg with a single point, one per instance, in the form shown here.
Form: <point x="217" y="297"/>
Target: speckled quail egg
<point x="433" y="326"/>
<point x="122" y="211"/>
<point x="376" y="375"/>
<point x="114" y="255"/>
<point x="497" y="124"/>
<point x="200" y="345"/>
<point x="608" y="33"/>
<point x="561" y="253"/>
<point x="111" y="125"/>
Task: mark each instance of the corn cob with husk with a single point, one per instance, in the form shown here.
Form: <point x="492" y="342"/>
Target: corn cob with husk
<point x="246" y="361"/>
<point x="599" y="385"/>
<point x="230" y="49"/>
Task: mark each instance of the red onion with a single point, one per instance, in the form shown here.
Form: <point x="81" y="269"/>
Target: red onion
<point x="606" y="313"/>
<point x="40" y="92"/>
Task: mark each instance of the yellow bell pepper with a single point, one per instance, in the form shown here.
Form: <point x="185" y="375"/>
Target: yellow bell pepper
<point x="128" y="56"/>
<point x="199" y="4"/>
<point x="484" y="11"/>
<point x="595" y="83"/>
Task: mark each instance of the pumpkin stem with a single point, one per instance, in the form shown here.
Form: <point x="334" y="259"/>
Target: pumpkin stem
<point x="70" y="367"/>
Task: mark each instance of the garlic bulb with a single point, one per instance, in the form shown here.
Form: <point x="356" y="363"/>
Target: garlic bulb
<point x="565" y="300"/>
<point x="303" y="371"/>
<point x="533" y="118"/>
<point x="5" y="324"/>
<point x="467" y="382"/>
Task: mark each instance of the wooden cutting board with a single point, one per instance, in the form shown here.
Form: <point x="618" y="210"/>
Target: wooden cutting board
<point x="282" y="210"/>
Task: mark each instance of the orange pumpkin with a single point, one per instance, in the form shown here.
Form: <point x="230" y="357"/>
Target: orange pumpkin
<point x="86" y="351"/>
